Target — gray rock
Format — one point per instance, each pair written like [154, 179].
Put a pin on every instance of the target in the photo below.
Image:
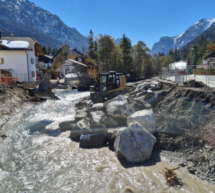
[109, 121]
[96, 119]
[134, 144]
[141, 94]
[149, 95]
[112, 133]
[118, 107]
[92, 140]
[145, 118]
[68, 125]
[81, 114]
[139, 104]
[143, 86]
[98, 107]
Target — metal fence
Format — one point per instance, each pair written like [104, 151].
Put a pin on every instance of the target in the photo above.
[205, 74]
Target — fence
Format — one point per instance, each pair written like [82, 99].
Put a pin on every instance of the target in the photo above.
[205, 74]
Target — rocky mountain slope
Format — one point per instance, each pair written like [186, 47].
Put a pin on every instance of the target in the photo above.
[166, 43]
[24, 18]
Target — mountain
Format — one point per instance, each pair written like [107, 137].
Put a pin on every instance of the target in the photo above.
[24, 18]
[166, 43]
[209, 33]
[116, 40]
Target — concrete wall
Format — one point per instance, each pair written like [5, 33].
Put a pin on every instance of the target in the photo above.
[17, 61]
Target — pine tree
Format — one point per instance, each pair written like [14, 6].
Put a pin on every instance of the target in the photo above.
[125, 45]
[171, 53]
[44, 50]
[106, 47]
[49, 51]
[91, 47]
[213, 40]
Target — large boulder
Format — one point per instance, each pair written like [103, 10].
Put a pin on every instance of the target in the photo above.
[145, 118]
[68, 125]
[109, 121]
[81, 114]
[96, 119]
[118, 108]
[98, 107]
[139, 104]
[134, 144]
[92, 140]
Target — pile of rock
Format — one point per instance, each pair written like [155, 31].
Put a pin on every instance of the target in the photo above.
[130, 126]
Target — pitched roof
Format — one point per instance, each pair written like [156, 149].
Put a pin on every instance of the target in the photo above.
[29, 46]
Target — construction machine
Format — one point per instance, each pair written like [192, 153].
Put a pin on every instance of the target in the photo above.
[105, 85]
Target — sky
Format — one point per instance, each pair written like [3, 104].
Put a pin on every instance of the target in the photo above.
[145, 20]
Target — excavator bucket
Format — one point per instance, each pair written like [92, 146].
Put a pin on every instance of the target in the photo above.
[45, 90]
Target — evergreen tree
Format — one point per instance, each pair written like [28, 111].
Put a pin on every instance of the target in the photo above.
[106, 46]
[125, 45]
[213, 40]
[44, 50]
[142, 59]
[49, 51]
[171, 53]
[91, 47]
[176, 55]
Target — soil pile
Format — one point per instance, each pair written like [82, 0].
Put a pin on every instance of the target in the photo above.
[12, 98]
[185, 122]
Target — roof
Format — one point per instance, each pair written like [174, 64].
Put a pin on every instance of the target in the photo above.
[21, 43]
[212, 47]
[212, 54]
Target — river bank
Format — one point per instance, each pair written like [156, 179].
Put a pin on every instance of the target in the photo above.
[47, 153]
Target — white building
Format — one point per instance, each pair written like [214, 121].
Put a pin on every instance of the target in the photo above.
[19, 56]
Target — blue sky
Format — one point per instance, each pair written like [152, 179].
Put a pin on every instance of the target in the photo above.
[145, 20]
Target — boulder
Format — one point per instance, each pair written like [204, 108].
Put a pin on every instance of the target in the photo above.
[118, 108]
[92, 140]
[112, 133]
[98, 107]
[139, 104]
[109, 121]
[149, 95]
[81, 114]
[96, 119]
[134, 144]
[143, 86]
[145, 118]
[68, 125]
[82, 127]
[139, 94]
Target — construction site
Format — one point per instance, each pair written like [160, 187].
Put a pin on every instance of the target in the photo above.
[157, 131]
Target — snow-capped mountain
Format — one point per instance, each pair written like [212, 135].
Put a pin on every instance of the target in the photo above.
[116, 40]
[166, 43]
[24, 18]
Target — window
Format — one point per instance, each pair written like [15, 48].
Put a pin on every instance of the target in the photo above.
[1, 60]
[32, 61]
[33, 73]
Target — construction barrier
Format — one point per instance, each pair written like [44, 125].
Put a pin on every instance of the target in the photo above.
[8, 80]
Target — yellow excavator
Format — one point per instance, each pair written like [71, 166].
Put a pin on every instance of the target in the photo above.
[105, 85]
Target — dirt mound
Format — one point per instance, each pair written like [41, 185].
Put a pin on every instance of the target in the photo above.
[184, 109]
[196, 84]
[12, 97]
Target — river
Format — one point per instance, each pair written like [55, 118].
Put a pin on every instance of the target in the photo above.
[36, 158]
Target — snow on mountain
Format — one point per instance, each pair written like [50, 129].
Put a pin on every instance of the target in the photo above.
[116, 40]
[24, 18]
[166, 43]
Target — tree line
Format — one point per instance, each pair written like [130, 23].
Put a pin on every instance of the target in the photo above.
[134, 61]
[49, 51]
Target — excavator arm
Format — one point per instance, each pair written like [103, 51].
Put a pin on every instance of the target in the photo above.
[64, 53]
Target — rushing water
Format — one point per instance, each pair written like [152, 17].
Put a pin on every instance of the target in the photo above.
[35, 158]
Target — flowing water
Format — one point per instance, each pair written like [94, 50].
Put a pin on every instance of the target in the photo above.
[36, 158]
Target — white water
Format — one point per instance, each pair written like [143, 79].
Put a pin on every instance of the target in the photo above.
[34, 158]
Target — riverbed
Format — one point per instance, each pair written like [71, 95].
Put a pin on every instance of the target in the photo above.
[36, 157]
